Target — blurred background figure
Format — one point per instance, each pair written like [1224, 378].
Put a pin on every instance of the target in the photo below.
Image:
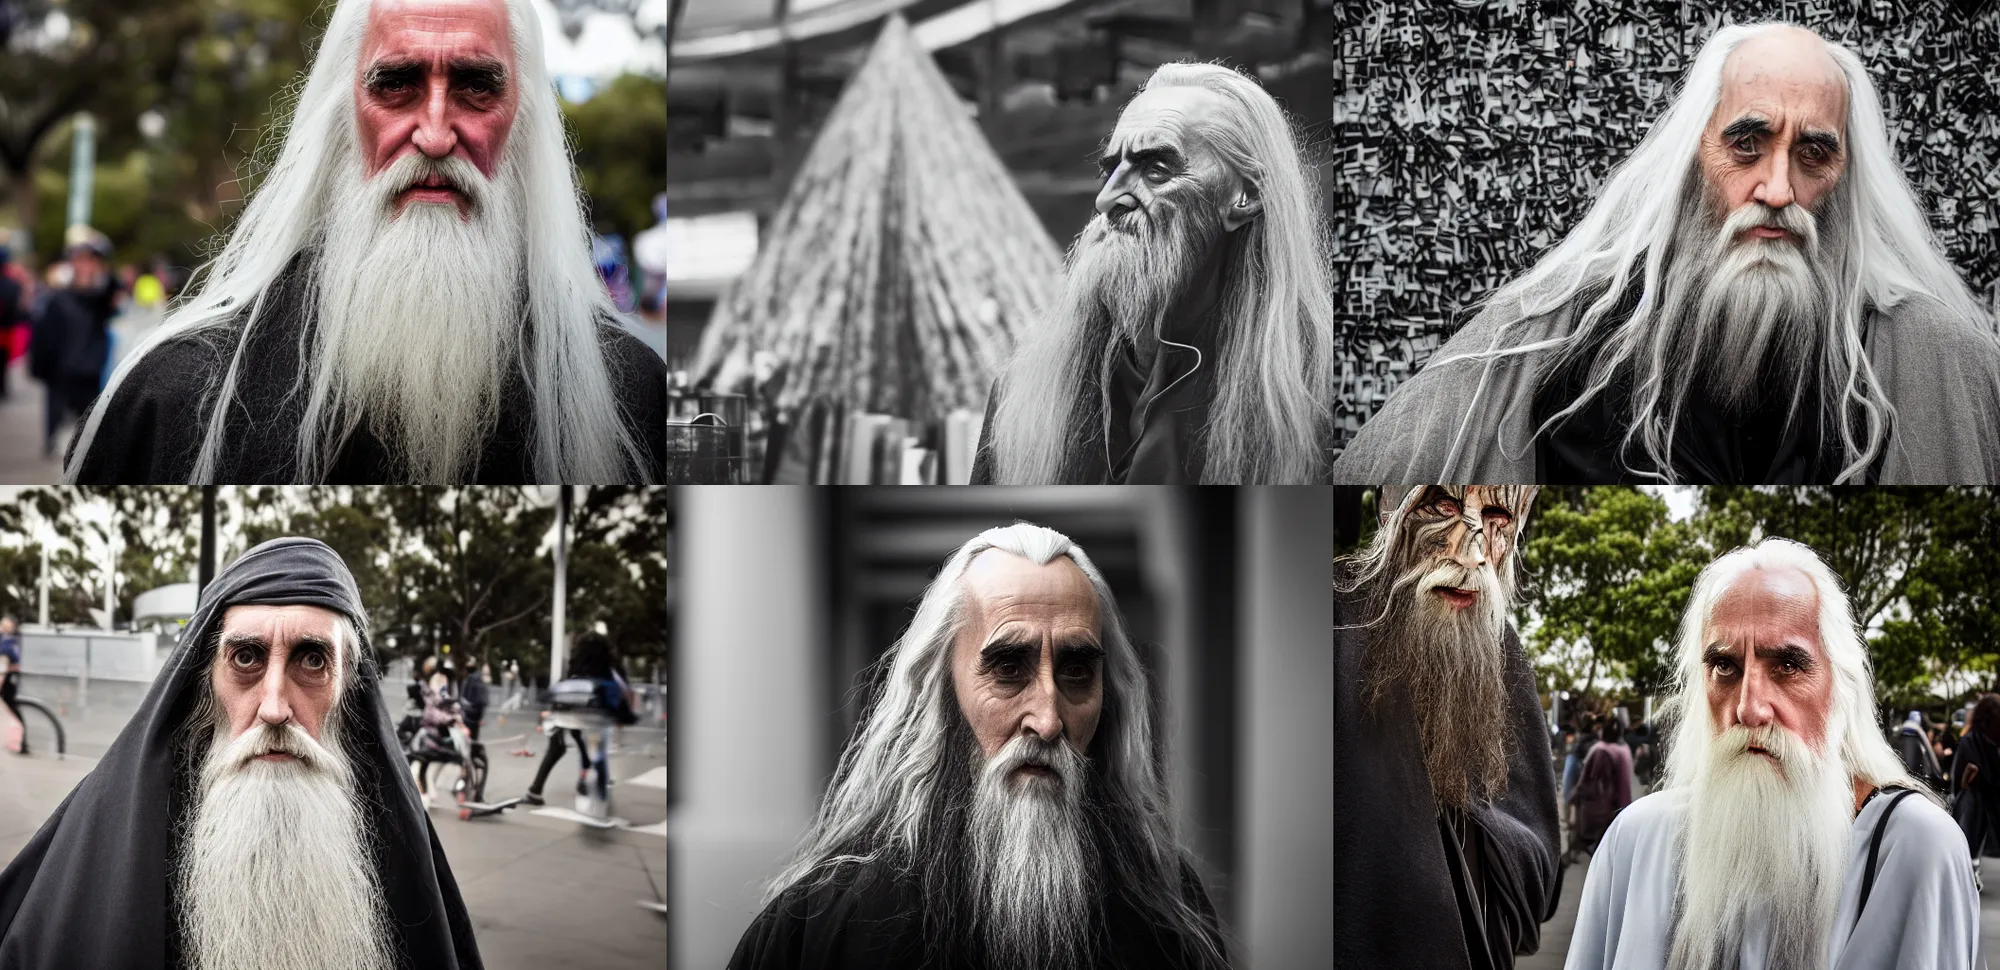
[783, 600]
[71, 336]
[1603, 789]
[17, 292]
[1975, 779]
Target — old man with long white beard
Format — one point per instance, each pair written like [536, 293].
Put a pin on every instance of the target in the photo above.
[255, 813]
[1755, 297]
[1193, 338]
[1002, 804]
[1789, 836]
[409, 295]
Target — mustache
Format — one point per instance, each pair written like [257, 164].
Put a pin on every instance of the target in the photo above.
[1785, 747]
[417, 169]
[1030, 750]
[1794, 219]
[267, 738]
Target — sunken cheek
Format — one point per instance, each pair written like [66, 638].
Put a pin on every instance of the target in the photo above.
[389, 125]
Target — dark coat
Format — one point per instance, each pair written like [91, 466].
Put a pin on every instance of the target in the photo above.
[154, 424]
[91, 889]
[71, 337]
[1396, 875]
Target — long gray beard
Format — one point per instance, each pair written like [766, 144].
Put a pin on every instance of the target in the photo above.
[1125, 283]
[419, 315]
[1739, 309]
[275, 871]
[1450, 667]
[1034, 863]
[1791, 831]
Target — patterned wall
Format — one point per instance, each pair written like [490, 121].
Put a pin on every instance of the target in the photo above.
[1469, 136]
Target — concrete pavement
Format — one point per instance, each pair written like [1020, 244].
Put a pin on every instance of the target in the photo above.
[542, 891]
[21, 416]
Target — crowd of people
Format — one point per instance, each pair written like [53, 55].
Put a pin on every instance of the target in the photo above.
[71, 320]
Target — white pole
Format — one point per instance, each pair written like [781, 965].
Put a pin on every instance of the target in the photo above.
[556, 644]
[111, 584]
[44, 618]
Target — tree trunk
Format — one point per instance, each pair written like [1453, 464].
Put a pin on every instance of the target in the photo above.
[22, 184]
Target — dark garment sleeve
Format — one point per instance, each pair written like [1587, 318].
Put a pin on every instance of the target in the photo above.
[982, 460]
[153, 426]
[852, 923]
[1524, 880]
[639, 378]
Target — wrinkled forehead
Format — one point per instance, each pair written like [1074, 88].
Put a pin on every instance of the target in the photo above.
[437, 29]
[284, 625]
[1768, 607]
[1786, 77]
[1167, 117]
[1000, 586]
[1515, 500]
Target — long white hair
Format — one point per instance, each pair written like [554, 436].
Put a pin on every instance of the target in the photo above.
[895, 767]
[578, 436]
[1274, 393]
[1851, 731]
[1891, 256]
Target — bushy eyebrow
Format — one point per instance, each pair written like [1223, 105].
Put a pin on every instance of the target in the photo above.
[1165, 154]
[1826, 140]
[1746, 125]
[463, 70]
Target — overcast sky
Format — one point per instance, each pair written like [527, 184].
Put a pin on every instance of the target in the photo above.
[607, 47]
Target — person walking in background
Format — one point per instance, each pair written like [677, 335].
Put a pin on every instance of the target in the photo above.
[10, 676]
[1603, 789]
[14, 296]
[71, 338]
[1913, 745]
[1586, 738]
[472, 697]
[594, 660]
[1975, 778]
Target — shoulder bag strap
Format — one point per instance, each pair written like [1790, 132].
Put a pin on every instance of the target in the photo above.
[1875, 851]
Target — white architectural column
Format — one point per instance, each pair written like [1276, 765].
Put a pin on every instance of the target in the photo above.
[748, 722]
[1285, 700]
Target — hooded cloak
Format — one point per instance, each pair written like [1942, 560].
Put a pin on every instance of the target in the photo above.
[105, 858]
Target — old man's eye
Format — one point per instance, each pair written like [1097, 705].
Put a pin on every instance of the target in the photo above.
[245, 657]
[314, 660]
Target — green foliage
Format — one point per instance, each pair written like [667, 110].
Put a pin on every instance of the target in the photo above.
[468, 569]
[1607, 575]
[620, 136]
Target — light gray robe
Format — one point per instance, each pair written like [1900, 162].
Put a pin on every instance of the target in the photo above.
[1922, 914]
[1473, 420]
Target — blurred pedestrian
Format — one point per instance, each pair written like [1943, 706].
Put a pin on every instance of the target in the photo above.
[593, 660]
[1913, 746]
[10, 676]
[1975, 778]
[1603, 789]
[1586, 738]
[472, 697]
[71, 338]
[15, 292]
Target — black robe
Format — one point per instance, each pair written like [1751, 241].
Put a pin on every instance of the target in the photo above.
[153, 427]
[871, 919]
[91, 889]
[1399, 875]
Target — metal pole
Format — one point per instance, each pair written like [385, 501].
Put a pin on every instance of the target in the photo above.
[44, 616]
[111, 583]
[557, 646]
[207, 568]
[83, 156]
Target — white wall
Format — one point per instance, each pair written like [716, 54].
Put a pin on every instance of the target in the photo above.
[112, 656]
[1285, 702]
[751, 753]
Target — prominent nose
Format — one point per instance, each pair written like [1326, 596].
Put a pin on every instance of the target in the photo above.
[1753, 698]
[1463, 543]
[1776, 189]
[1040, 715]
[434, 135]
[274, 705]
[1116, 195]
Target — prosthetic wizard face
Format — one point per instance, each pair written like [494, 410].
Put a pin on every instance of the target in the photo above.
[1463, 535]
[1764, 667]
[1776, 137]
[277, 665]
[435, 78]
[1028, 659]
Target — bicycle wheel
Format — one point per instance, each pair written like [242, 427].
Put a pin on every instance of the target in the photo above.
[43, 732]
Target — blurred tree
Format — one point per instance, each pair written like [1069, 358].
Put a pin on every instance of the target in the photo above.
[621, 150]
[1607, 574]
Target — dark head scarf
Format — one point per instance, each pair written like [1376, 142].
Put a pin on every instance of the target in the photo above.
[92, 888]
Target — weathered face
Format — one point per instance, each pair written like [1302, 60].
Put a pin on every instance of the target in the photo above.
[1158, 165]
[1778, 134]
[277, 664]
[1471, 526]
[1764, 664]
[435, 77]
[1029, 658]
